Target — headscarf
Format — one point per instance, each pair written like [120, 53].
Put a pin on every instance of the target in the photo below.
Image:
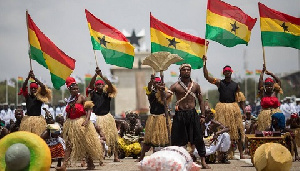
[294, 115]
[70, 81]
[227, 68]
[269, 80]
[157, 79]
[281, 119]
[248, 109]
[34, 85]
[99, 82]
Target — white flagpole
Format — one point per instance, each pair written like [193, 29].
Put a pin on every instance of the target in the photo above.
[17, 87]
[6, 92]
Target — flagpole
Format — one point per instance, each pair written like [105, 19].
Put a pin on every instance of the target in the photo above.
[17, 87]
[264, 56]
[96, 58]
[6, 92]
[28, 40]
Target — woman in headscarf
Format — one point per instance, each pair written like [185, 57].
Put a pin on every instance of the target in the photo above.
[79, 132]
[268, 91]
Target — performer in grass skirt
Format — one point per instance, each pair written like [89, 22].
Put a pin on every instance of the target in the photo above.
[102, 91]
[33, 121]
[79, 132]
[156, 132]
[268, 91]
[228, 109]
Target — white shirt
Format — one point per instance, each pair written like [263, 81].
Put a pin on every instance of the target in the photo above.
[7, 115]
[60, 110]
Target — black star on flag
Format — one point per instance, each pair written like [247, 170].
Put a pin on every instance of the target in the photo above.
[234, 27]
[172, 42]
[285, 27]
[103, 41]
[134, 39]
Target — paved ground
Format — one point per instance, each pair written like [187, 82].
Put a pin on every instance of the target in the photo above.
[128, 164]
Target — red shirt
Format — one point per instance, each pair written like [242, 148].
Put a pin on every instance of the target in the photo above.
[75, 112]
[269, 102]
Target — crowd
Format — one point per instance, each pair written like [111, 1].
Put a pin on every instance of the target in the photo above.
[81, 128]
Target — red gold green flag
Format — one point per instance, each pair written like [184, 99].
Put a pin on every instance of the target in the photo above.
[249, 72]
[227, 24]
[167, 38]
[278, 29]
[257, 72]
[46, 53]
[20, 79]
[88, 77]
[114, 46]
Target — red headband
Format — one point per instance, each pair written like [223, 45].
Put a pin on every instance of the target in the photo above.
[99, 82]
[269, 80]
[227, 69]
[34, 85]
[157, 79]
[70, 81]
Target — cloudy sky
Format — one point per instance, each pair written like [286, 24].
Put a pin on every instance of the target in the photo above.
[64, 22]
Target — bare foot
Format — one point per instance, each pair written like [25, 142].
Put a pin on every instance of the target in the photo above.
[244, 157]
[117, 160]
[205, 166]
[63, 168]
[138, 160]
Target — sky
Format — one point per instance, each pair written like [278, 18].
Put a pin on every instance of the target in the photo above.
[64, 22]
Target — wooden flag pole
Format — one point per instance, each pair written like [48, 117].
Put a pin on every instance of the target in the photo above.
[96, 58]
[28, 40]
[264, 56]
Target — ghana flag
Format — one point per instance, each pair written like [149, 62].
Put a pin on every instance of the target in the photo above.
[167, 38]
[114, 46]
[46, 53]
[278, 29]
[227, 24]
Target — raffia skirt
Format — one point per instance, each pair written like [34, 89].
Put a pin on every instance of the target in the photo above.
[33, 124]
[108, 126]
[156, 132]
[229, 114]
[264, 118]
[297, 136]
[83, 140]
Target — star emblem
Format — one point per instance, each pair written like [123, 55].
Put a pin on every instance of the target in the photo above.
[172, 42]
[234, 27]
[285, 27]
[134, 39]
[103, 41]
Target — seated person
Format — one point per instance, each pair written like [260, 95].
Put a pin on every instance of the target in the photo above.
[130, 132]
[52, 137]
[220, 140]
[278, 124]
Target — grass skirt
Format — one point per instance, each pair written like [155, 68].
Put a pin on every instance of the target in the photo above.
[108, 127]
[33, 124]
[156, 132]
[84, 141]
[264, 118]
[229, 115]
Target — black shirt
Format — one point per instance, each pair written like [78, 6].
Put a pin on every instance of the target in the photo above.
[227, 91]
[33, 106]
[156, 108]
[101, 102]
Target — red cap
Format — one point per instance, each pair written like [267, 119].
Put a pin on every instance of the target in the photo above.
[269, 80]
[70, 81]
[99, 82]
[34, 85]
